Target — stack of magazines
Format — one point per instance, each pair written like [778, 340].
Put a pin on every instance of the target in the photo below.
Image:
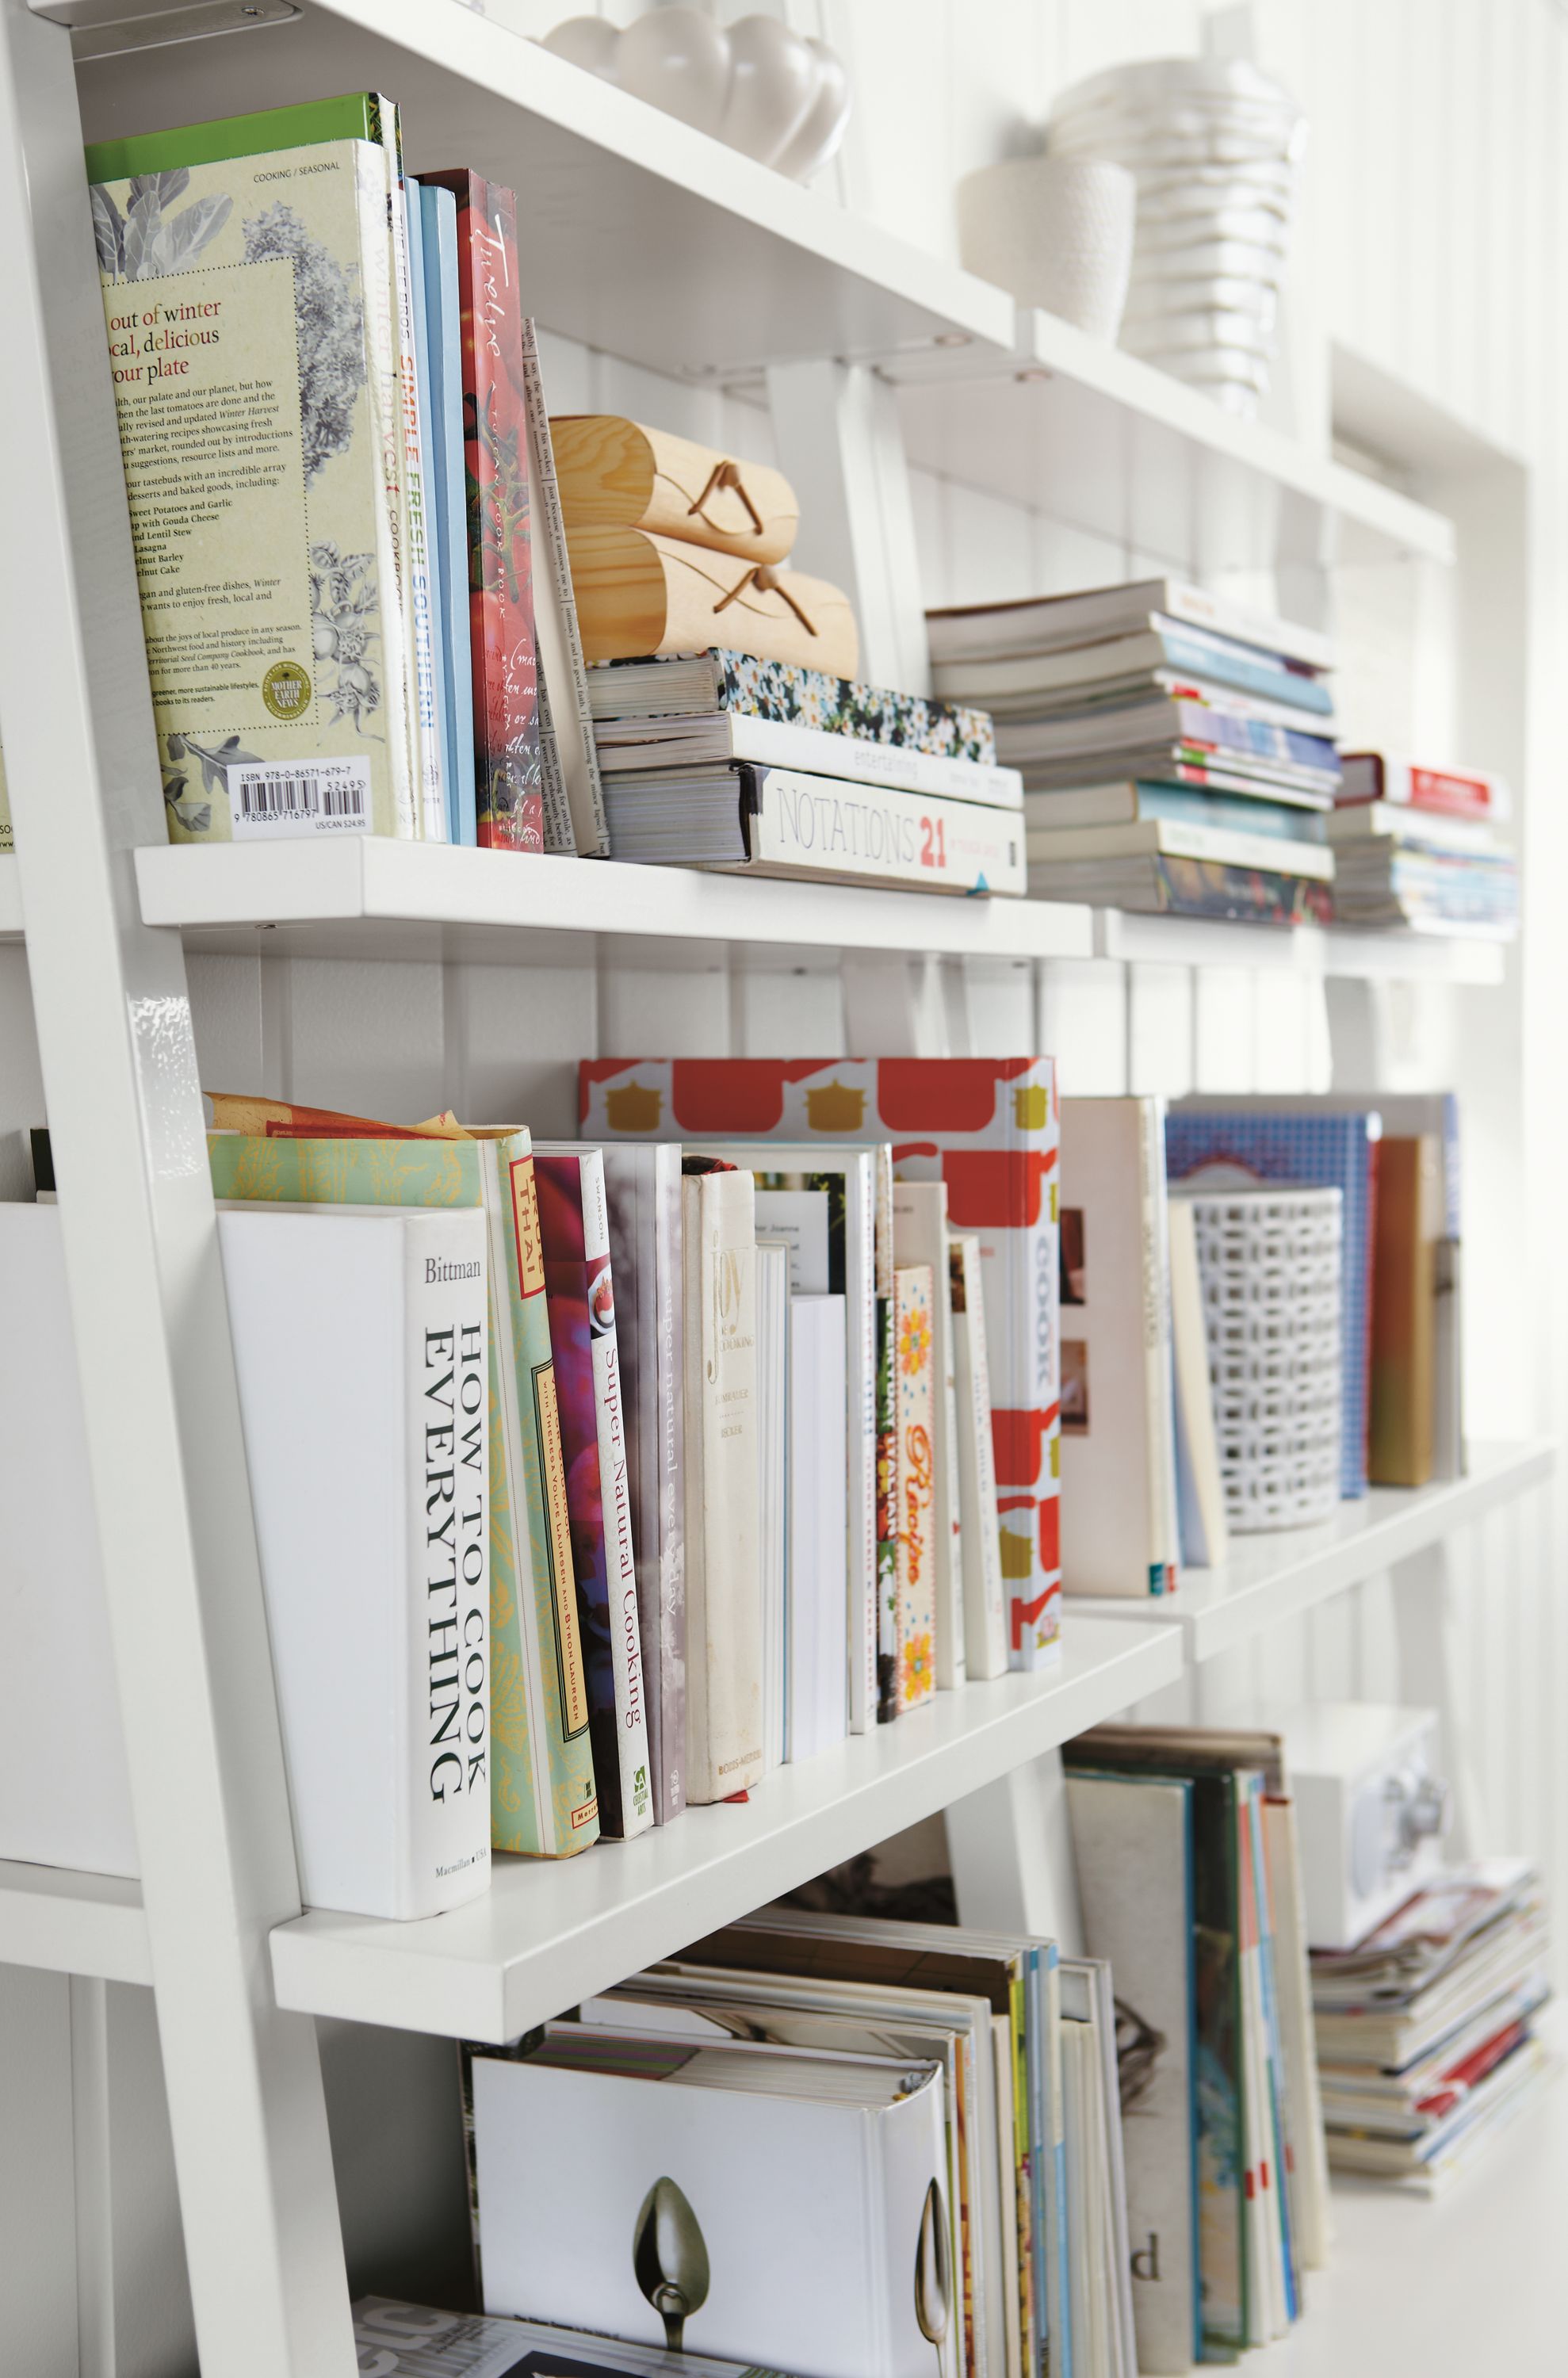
[1417, 846]
[1176, 751]
[1426, 2033]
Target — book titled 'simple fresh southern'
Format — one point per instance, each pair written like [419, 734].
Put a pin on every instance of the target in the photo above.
[542, 1802]
[914, 1416]
[506, 697]
[248, 299]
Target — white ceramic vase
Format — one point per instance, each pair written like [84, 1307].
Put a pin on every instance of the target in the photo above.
[778, 96]
[1057, 231]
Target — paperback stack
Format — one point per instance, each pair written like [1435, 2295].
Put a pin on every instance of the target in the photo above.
[1176, 751]
[1189, 1875]
[333, 441]
[920, 2119]
[1426, 2031]
[761, 753]
[1417, 846]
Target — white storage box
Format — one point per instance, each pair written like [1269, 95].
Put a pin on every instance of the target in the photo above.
[1371, 1808]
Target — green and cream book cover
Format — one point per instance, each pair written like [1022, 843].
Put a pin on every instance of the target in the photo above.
[248, 295]
[543, 1801]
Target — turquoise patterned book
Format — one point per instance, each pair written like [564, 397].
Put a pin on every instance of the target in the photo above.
[719, 681]
[543, 1801]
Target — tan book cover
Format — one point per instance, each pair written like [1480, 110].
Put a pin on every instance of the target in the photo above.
[1407, 1229]
[724, 1740]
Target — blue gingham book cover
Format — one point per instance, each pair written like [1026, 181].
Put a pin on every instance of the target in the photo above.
[1312, 1149]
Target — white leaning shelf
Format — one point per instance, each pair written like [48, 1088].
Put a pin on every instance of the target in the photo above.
[1273, 1576]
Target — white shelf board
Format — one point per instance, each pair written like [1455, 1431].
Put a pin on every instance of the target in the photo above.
[1100, 439]
[1302, 949]
[546, 1934]
[639, 235]
[367, 896]
[1273, 1577]
[72, 1923]
[1469, 2283]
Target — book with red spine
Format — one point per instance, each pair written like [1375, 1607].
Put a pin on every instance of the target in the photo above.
[1445, 792]
[507, 768]
[580, 1295]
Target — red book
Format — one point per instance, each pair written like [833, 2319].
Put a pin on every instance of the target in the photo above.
[1446, 792]
[509, 781]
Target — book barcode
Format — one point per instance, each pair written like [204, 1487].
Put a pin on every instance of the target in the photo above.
[303, 796]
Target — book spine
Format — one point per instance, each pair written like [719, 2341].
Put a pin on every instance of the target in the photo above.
[631, 1737]
[1159, 1433]
[887, 1519]
[447, 1669]
[828, 830]
[577, 822]
[668, 1577]
[443, 321]
[420, 582]
[724, 1677]
[913, 1370]
[379, 281]
[985, 1611]
[952, 1667]
[543, 1800]
[508, 801]
[861, 1407]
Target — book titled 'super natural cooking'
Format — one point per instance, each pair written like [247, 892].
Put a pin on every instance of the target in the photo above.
[247, 297]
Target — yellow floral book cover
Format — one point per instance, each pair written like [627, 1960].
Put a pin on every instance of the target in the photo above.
[914, 1412]
[543, 1801]
[247, 299]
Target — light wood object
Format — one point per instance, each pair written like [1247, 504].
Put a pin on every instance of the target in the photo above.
[614, 472]
[639, 594]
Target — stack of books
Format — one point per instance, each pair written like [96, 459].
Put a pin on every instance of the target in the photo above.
[334, 551]
[1190, 1882]
[1426, 2031]
[1176, 751]
[830, 2143]
[1417, 846]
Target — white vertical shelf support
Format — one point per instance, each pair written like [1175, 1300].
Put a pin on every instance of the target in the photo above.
[186, 1622]
[839, 440]
[1010, 1847]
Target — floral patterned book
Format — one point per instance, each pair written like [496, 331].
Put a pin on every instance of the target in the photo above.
[509, 769]
[248, 302]
[720, 681]
[914, 1416]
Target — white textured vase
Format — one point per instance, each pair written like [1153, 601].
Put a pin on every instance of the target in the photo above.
[778, 96]
[1057, 231]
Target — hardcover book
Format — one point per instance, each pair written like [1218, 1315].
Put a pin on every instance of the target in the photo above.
[448, 491]
[575, 815]
[914, 1417]
[248, 298]
[1132, 1844]
[988, 1128]
[724, 1723]
[691, 2188]
[542, 1796]
[506, 704]
[1119, 1529]
[887, 1515]
[817, 1545]
[720, 681]
[580, 1296]
[919, 1236]
[1315, 1148]
[984, 1591]
[641, 1187]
